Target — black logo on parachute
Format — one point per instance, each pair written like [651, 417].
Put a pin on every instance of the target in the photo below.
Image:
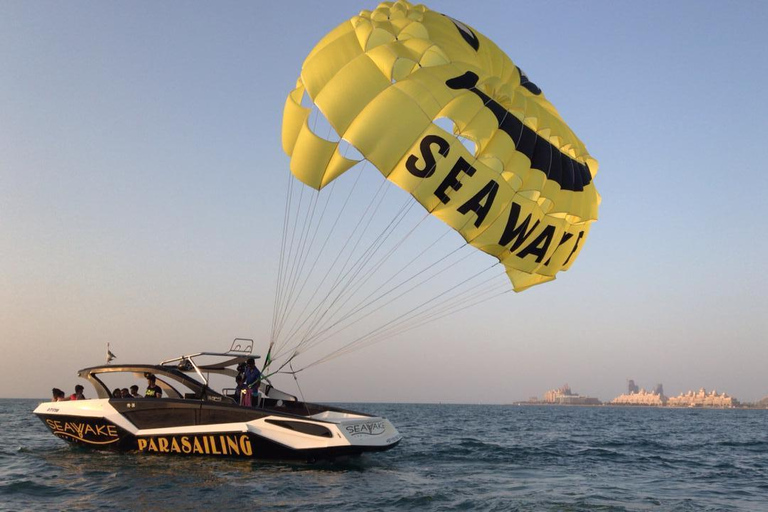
[472, 40]
[559, 167]
[532, 87]
[466, 33]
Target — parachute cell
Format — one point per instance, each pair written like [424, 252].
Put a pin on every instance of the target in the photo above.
[385, 77]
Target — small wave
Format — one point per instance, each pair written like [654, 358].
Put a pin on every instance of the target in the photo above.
[30, 488]
[418, 501]
[749, 445]
[599, 453]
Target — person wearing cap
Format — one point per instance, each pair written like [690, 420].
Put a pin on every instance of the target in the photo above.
[153, 390]
[252, 376]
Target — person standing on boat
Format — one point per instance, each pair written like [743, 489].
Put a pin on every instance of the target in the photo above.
[242, 393]
[135, 391]
[252, 376]
[153, 390]
[78, 394]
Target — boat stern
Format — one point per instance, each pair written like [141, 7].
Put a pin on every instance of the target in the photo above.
[374, 433]
[83, 423]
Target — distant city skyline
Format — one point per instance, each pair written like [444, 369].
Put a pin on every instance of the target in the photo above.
[637, 396]
[143, 184]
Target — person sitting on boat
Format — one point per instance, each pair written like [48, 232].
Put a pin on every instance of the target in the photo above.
[153, 390]
[252, 376]
[78, 394]
[135, 391]
[58, 395]
[116, 393]
[124, 393]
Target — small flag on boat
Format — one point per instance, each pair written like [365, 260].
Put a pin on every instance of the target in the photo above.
[110, 355]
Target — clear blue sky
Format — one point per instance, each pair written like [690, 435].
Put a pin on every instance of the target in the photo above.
[142, 184]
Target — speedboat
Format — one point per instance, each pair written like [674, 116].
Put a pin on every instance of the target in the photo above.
[194, 419]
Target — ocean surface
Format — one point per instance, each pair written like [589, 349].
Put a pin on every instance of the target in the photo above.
[452, 457]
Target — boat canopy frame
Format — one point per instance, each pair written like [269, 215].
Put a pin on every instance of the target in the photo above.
[177, 369]
[163, 374]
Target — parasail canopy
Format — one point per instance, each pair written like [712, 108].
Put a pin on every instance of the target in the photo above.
[445, 115]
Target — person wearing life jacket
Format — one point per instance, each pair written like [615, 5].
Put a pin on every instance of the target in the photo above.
[153, 390]
[78, 394]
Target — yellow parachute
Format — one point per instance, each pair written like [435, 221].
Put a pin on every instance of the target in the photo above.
[382, 79]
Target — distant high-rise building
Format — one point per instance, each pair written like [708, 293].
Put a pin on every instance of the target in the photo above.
[632, 387]
[659, 389]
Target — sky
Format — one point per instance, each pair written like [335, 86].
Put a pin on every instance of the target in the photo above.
[142, 190]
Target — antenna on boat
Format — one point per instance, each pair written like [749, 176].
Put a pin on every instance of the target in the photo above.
[110, 355]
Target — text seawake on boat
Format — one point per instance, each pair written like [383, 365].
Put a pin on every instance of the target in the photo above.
[193, 419]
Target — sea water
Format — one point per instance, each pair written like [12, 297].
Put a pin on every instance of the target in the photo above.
[452, 457]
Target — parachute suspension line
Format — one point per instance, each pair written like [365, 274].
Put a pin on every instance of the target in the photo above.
[334, 283]
[298, 262]
[446, 300]
[404, 324]
[363, 266]
[310, 246]
[379, 264]
[328, 237]
[369, 303]
[290, 262]
[286, 218]
[381, 332]
[407, 265]
[318, 338]
[363, 260]
[391, 278]
[317, 311]
[364, 263]
[447, 307]
[465, 304]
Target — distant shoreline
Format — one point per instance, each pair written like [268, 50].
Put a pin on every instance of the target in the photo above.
[649, 406]
[751, 406]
